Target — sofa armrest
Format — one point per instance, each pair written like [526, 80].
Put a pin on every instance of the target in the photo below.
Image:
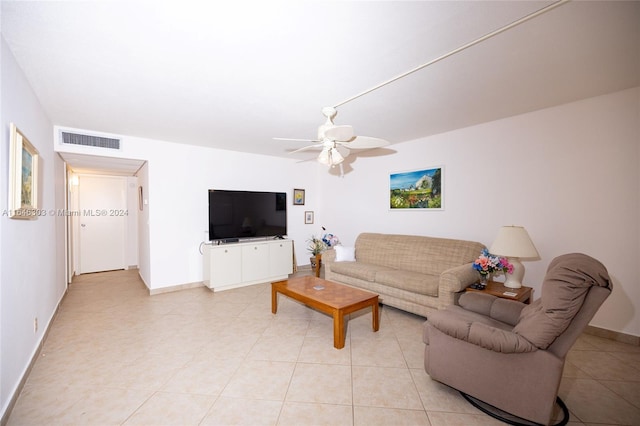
[453, 281]
[328, 256]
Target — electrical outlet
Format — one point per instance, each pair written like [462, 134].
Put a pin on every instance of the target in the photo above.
[35, 325]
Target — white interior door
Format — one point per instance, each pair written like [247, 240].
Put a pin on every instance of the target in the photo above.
[103, 213]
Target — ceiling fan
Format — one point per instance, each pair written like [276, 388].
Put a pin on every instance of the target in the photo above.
[336, 141]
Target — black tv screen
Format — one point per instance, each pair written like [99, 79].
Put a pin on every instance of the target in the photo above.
[246, 214]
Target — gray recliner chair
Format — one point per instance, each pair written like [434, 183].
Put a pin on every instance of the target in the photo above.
[511, 355]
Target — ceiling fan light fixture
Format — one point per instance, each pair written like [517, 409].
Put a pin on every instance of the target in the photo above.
[336, 157]
[330, 157]
[325, 157]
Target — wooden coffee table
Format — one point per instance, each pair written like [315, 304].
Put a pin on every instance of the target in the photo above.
[331, 298]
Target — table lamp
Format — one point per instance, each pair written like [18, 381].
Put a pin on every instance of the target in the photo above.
[513, 242]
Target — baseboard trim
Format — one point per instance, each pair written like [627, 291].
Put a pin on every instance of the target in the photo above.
[613, 335]
[170, 289]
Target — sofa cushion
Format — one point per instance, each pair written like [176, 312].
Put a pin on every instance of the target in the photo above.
[414, 253]
[360, 270]
[411, 281]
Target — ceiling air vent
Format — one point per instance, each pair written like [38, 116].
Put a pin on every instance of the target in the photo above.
[89, 140]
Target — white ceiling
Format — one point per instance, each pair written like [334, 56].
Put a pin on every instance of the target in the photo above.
[234, 74]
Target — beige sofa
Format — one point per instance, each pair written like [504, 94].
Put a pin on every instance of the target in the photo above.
[414, 273]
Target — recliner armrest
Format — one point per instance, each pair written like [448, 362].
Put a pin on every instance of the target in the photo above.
[495, 339]
[503, 310]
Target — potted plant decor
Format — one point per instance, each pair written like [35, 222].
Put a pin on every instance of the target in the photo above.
[317, 245]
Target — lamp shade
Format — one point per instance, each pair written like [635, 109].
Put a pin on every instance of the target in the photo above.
[513, 241]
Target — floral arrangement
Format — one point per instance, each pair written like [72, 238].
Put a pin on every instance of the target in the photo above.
[488, 263]
[318, 245]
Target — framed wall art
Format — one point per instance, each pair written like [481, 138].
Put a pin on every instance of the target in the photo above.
[23, 176]
[298, 197]
[308, 217]
[417, 189]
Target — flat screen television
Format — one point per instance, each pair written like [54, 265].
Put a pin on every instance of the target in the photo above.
[234, 215]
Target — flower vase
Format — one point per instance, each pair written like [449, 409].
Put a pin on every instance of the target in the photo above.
[316, 263]
[484, 279]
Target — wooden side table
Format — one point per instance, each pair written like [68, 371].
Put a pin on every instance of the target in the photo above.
[523, 294]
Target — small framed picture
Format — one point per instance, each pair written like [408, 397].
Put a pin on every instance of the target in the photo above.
[308, 217]
[23, 176]
[298, 197]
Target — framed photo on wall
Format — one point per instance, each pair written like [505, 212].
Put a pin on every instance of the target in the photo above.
[298, 197]
[308, 217]
[23, 176]
[416, 189]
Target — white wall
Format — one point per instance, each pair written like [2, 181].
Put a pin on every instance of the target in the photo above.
[32, 267]
[131, 250]
[569, 175]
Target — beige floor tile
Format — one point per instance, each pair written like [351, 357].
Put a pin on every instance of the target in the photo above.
[570, 370]
[375, 416]
[413, 351]
[239, 411]
[320, 350]
[296, 413]
[228, 346]
[603, 366]
[277, 348]
[384, 387]
[164, 408]
[592, 402]
[203, 376]
[106, 406]
[438, 397]
[438, 418]
[377, 352]
[629, 391]
[321, 326]
[45, 404]
[284, 326]
[318, 383]
[260, 380]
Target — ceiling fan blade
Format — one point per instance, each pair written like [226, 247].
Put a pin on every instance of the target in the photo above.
[306, 148]
[296, 140]
[343, 150]
[339, 133]
[366, 142]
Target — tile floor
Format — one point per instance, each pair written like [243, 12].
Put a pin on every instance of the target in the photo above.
[117, 356]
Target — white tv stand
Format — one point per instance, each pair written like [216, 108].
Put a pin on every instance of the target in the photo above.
[240, 264]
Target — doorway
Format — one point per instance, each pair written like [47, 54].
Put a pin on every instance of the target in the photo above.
[103, 212]
[85, 177]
